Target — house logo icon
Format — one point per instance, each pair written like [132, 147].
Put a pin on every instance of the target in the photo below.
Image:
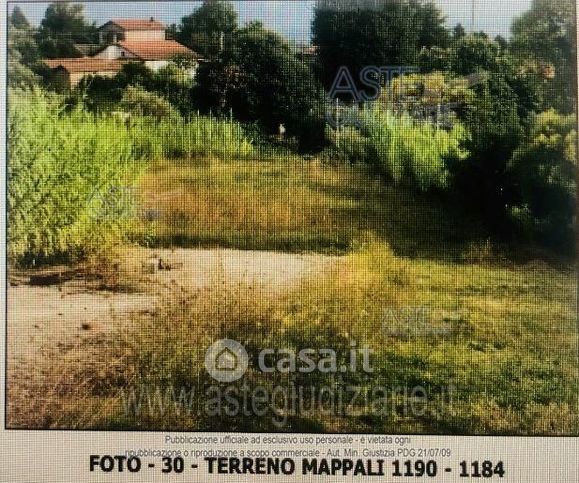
[226, 360]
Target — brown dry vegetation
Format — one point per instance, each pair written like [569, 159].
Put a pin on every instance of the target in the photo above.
[509, 352]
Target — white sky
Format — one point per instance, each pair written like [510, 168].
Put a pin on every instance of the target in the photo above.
[292, 18]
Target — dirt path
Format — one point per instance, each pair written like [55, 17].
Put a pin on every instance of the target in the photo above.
[192, 268]
[58, 317]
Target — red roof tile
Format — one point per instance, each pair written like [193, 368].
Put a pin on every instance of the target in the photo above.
[132, 24]
[85, 64]
[156, 50]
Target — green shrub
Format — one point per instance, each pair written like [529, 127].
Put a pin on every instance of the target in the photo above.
[402, 149]
[64, 171]
[138, 101]
[544, 170]
[71, 172]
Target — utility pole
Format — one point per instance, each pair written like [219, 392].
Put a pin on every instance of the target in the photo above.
[472, 12]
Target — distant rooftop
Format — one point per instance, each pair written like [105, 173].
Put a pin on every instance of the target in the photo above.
[85, 64]
[156, 50]
[136, 24]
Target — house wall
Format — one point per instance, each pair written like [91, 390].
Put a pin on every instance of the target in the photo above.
[113, 52]
[113, 33]
[145, 35]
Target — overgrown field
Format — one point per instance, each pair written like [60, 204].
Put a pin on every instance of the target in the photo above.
[294, 205]
[496, 353]
[491, 342]
[448, 197]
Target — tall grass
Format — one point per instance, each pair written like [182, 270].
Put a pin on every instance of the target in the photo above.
[196, 136]
[292, 205]
[62, 169]
[403, 149]
[67, 167]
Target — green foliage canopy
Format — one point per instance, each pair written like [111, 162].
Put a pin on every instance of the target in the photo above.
[206, 28]
[389, 33]
[64, 25]
[544, 168]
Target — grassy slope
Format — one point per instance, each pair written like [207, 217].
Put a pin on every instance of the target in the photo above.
[294, 206]
[509, 353]
[511, 350]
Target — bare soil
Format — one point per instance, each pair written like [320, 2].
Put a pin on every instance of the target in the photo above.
[46, 320]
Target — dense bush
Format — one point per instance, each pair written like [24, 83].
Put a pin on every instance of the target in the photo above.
[544, 168]
[403, 149]
[171, 83]
[496, 129]
[140, 102]
[22, 52]
[496, 114]
[260, 79]
[545, 36]
[467, 55]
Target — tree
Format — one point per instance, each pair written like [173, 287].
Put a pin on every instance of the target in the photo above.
[19, 75]
[104, 93]
[544, 169]
[458, 32]
[497, 116]
[477, 54]
[62, 26]
[387, 33]
[17, 19]
[139, 102]
[502, 42]
[546, 36]
[431, 24]
[171, 33]
[496, 130]
[171, 83]
[22, 40]
[22, 52]
[260, 78]
[206, 28]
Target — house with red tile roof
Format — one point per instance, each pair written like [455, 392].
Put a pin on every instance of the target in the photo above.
[124, 40]
[69, 72]
[154, 54]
